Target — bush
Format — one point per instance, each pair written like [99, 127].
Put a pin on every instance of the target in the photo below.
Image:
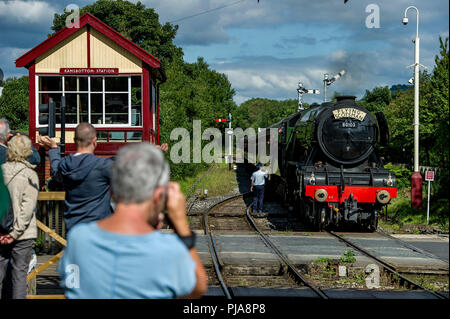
[403, 175]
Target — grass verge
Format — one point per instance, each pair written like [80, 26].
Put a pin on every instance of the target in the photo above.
[401, 217]
[218, 181]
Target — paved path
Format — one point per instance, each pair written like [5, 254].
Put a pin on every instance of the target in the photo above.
[434, 244]
[303, 249]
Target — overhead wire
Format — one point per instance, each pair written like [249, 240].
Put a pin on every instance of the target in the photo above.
[207, 11]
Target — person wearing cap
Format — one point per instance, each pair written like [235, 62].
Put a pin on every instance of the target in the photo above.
[257, 187]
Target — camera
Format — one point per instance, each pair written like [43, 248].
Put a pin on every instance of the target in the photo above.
[405, 21]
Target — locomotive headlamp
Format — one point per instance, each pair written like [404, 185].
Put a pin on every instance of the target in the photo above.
[320, 195]
[389, 181]
[312, 179]
[383, 197]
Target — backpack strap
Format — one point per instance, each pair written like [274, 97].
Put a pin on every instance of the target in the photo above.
[15, 175]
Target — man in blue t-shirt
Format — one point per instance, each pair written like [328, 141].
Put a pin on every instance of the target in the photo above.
[257, 187]
[125, 255]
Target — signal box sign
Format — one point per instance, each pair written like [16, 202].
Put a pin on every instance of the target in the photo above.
[89, 71]
[429, 176]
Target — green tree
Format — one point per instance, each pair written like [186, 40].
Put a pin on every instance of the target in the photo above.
[377, 99]
[192, 91]
[433, 116]
[14, 102]
[259, 112]
[437, 99]
[135, 22]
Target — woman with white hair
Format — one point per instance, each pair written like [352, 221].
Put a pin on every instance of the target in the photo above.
[23, 185]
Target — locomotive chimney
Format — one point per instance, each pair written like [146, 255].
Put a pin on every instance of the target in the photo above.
[346, 98]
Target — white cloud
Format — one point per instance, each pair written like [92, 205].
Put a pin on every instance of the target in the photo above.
[274, 78]
[266, 13]
[339, 55]
[26, 12]
[7, 57]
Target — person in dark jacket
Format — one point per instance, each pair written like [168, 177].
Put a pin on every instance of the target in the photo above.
[5, 135]
[85, 177]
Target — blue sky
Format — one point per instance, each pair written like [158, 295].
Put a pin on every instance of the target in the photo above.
[266, 48]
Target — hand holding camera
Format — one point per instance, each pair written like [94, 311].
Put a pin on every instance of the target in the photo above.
[176, 209]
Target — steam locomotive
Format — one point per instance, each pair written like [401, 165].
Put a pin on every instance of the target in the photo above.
[330, 170]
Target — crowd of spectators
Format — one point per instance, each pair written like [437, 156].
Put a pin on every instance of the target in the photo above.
[114, 212]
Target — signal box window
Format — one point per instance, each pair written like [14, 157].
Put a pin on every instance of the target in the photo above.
[109, 101]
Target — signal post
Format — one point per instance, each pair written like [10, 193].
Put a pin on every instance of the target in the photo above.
[229, 132]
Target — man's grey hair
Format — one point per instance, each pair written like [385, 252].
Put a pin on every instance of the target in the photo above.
[4, 130]
[137, 171]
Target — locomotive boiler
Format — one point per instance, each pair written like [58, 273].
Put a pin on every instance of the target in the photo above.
[330, 170]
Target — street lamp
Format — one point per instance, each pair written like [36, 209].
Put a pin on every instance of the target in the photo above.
[416, 178]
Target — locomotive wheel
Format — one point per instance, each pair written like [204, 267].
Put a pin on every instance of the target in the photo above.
[321, 218]
[303, 211]
[317, 217]
[286, 195]
[373, 223]
[309, 213]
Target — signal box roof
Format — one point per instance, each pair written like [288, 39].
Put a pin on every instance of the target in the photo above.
[88, 19]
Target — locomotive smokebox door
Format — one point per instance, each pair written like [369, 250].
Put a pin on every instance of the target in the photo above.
[346, 132]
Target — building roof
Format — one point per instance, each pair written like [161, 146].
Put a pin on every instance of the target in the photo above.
[88, 19]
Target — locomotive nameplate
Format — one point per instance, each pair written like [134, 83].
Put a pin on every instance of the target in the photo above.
[349, 112]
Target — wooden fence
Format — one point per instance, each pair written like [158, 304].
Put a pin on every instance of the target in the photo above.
[51, 234]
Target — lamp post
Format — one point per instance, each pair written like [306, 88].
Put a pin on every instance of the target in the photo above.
[416, 178]
[1, 81]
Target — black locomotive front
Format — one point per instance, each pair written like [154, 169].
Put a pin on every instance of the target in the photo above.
[330, 170]
[346, 132]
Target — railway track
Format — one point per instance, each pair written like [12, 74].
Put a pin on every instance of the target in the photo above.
[387, 267]
[293, 270]
[231, 233]
[192, 189]
[213, 247]
[224, 218]
[239, 220]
